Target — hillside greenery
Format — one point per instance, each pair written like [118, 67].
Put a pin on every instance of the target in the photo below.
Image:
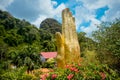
[22, 42]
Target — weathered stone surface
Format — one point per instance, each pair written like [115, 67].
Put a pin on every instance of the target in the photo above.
[67, 42]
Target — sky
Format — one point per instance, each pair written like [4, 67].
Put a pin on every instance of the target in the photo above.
[88, 13]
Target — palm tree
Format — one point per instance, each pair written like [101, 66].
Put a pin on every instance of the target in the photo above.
[28, 56]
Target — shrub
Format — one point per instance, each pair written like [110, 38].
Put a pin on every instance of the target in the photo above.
[17, 74]
[29, 77]
[50, 63]
[81, 72]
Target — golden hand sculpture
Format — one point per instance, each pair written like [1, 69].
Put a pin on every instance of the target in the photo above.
[67, 43]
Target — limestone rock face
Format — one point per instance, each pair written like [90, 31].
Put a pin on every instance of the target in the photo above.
[67, 43]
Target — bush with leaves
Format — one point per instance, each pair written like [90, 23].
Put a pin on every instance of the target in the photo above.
[17, 74]
[50, 63]
[26, 56]
[83, 72]
[108, 43]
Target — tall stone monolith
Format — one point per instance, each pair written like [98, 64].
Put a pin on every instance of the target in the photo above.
[67, 43]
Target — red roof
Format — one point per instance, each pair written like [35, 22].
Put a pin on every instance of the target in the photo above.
[49, 54]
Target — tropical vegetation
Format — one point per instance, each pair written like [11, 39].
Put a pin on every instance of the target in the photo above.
[22, 42]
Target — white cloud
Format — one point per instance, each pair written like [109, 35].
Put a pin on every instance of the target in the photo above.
[82, 14]
[58, 10]
[92, 27]
[94, 4]
[48, 11]
[54, 3]
[113, 12]
[5, 3]
[39, 20]
[86, 13]
[41, 9]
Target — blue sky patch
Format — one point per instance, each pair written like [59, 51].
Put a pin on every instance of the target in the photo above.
[86, 24]
[100, 12]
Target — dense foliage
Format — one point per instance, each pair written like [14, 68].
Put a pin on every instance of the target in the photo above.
[83, 72]
[21, 42]
[108, 43]
[50, 25]
[47, 29]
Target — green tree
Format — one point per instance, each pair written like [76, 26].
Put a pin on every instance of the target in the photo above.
[3, 50]
[13, 39]
[2, 30]
[47, 41]
[27, 56]
[108, 38]
[85, 42]
[29, 33]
